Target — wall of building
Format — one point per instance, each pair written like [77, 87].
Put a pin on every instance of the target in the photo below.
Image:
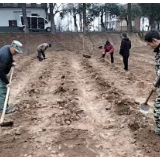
[7, 14]
[122, 25]
[144, 24]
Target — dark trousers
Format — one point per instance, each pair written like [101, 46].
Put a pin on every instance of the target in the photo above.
[125, 61]
[112, 58]
[39, 55]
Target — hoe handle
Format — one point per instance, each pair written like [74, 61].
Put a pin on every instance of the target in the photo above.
[7, 96]
[151, 92]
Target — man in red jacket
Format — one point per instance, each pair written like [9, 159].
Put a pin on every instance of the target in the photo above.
[108, 47]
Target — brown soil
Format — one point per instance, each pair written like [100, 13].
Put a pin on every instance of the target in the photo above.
[72, 106]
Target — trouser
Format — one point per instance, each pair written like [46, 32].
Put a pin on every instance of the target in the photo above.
[112, 58]
[3, 92]
[39, 55]
[157, 111]
[125, 61]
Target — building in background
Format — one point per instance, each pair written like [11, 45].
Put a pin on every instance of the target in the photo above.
[10, 12]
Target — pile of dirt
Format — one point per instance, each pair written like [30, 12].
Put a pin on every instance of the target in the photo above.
[60, 89]
[124, 106]
[69, 111]
[148, 142]
[27, 104]
[140, 85]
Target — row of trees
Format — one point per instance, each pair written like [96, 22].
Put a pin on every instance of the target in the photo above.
[87, 13]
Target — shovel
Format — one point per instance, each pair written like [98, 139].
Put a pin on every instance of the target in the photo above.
[144, 106]
[10, 123]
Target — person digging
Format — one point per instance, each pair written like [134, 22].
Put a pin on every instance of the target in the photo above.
[41, 49]
[108, 47]
[6, 62]
[152, 39]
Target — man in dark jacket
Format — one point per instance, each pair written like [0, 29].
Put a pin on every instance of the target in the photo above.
[125, 50]
[6, 62]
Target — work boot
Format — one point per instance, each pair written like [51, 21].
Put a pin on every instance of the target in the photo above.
[157, 131]
[8, 111]
[39, 58]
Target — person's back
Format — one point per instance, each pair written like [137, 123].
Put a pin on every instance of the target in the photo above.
[108, 47]
[125, 46]
[6, 62]
[6, 59]
[43, 47]
[125, 50]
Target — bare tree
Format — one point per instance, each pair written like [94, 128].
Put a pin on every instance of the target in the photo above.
[80, 12]
[129, 18]
[80, 22]
[25, 17]
[53, 28]
[54, 9]
[84, 18]
[59, 26]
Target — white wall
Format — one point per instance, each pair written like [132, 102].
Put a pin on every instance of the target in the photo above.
[7, 14]
[143, 26]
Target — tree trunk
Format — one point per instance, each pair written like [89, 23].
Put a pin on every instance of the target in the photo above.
[84, 18]
[129, 27]
[25, 17]
[126, 19]
[151, 17]
[75, 23]
[80, 22]
[158, 26]
[53, 29]
[151, 23]
[102, 23]
[106, 16]
[143, 24]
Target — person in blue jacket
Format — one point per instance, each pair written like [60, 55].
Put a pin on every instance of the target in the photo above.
[6, 62]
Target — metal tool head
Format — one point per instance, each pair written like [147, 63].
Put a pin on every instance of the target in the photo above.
[7, 124]
[144, 108]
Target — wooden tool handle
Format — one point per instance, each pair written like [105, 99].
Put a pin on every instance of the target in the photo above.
[7, 96]
[157, 82]
[155, 85]
[151, 92]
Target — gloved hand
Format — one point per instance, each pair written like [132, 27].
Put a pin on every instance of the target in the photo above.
[158, 73]
[8, 85]
[154, 88]
[108, 55]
